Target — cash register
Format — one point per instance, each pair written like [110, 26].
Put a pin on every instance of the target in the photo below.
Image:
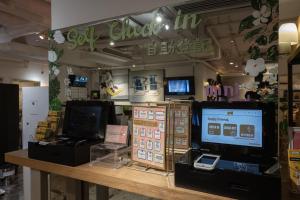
[234, 151]
[83, 126]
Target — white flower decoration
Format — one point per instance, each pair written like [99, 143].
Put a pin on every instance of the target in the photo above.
[271, 75]
[59, 37]
[254, 67]
[273, 70]
[70, 71]
[250, 86]
[271, 78]
[67, 81]
[262, 15]
[55, 70]
[52, 56]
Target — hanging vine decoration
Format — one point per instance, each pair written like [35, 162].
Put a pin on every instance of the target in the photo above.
[54, 55]
[261, 30]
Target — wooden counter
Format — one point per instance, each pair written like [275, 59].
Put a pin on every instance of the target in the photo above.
[147, 184]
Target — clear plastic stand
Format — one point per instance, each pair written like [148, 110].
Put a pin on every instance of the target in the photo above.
[110, 155]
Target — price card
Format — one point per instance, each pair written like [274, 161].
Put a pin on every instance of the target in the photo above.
[149, 144]
[117, 134]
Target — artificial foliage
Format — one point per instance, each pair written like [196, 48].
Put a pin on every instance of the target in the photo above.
[54, 55]
[260, 29]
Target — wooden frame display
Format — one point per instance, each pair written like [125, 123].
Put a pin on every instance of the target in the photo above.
[181, 125]
[149, 136]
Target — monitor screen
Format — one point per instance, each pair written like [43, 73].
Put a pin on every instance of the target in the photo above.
[181, 86]
[232, 126]
[78, 81]
[84, 121]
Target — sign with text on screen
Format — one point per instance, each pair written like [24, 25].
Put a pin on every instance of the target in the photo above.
[232, 126]
[228, 91]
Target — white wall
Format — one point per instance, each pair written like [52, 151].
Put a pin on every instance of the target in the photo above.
[202, 73]
[30, 71]
[289, 9]
[66, 13]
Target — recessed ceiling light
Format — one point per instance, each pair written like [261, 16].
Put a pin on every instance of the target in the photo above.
[133, 65]
[236, 66]
[41, 37]
[158, 19]
[232, 41]
[112, 43]
[167, 27]
[231, 63]
[99, 68]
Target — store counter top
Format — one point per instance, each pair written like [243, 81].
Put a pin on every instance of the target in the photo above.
[139, 182]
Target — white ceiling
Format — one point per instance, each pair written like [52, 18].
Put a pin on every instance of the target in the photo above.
[222, 23]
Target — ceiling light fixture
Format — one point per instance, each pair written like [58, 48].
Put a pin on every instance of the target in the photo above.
[288, 35]
[158, 19]
[41, 36]
[232, 41]
[167, 27]
[112, 43]
[236, 66]
[99, 68]
[133, 65]
[231, 63]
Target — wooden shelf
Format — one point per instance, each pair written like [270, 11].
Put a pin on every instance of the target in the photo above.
[151, 185]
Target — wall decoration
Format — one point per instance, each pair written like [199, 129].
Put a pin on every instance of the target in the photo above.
[121, 30]
[203, 47]
[254, 67]
[148, 137]
[120, 78]
[146, 86]
[261, 29]
[110, 88]
[76, 38]
[54, 54]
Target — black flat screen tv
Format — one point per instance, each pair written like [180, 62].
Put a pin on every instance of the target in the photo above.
[78, 81]
[88, 119]
[180, 85]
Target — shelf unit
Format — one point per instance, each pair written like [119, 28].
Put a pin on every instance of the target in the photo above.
[293, 60]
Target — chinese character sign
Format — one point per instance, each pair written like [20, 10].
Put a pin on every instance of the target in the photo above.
[183, 46]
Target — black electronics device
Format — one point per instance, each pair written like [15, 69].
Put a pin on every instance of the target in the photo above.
[179, 86]
[84, 125]
[243, 134]
[78, 81]
[9, 119]
[241, 178]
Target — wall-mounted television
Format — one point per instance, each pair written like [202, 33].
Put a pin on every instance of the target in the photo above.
[78, 81]
[180, 85]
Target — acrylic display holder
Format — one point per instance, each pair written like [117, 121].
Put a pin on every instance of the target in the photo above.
[109, 155]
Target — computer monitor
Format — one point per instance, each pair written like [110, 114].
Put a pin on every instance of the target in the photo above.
[232, 126]
[236, 128]
[88, 119]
